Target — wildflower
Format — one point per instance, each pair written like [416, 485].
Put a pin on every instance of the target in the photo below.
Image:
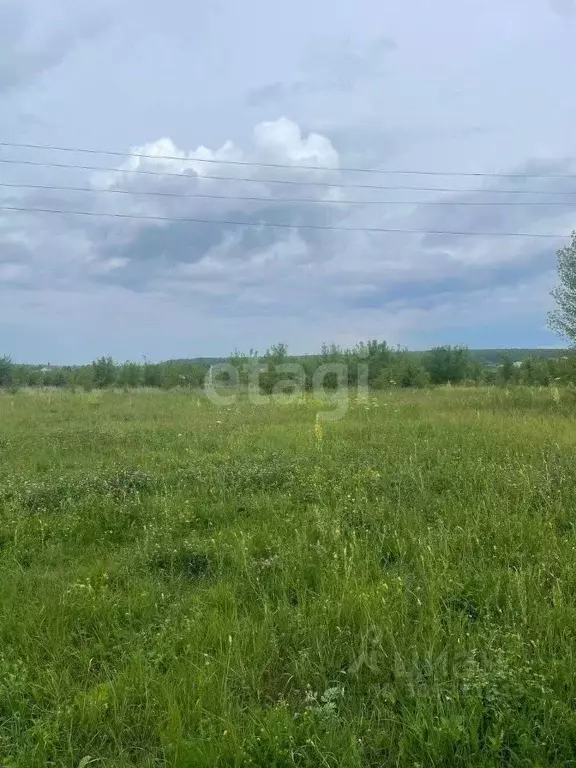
[556, 395]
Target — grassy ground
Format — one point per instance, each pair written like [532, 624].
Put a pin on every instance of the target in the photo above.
[183, 585]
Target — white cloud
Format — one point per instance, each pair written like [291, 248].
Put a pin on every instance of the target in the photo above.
[282, 141]
[322, 284]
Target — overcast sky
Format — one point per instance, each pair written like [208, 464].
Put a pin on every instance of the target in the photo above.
[476, 86]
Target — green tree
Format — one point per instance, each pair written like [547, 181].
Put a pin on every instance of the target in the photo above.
[277, 354]
[244, 364]
[447, 364]
[84, 377]
[104, 372]
[5, 371]
[475, 371]
[562, 320]
[130, 375]
[33, 377]
[377, 355]
[56, 378]
[506, 369]
[153, 375]
[407, 372]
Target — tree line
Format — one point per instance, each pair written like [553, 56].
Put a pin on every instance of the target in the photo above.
[374, 362]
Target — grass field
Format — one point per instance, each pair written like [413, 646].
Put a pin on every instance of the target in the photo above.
[190, 586]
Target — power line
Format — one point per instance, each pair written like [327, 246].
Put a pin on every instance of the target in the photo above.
[289, 166]
[267, 224]
[324, 184]
[245, 198]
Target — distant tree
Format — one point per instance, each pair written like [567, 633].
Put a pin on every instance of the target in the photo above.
[277, 354]
[84, 377]
[104, 372]
[409, 373]
[153, 375]
[377, 355]
[506, 370]
[244, 364]
[447, 364]
[331, 353]
[489, 376]
[5, 371]
[58, 378]
[130, 375]
[32, 377]
[539, 371]
[475, 371]
[270, 374]
[562, 320]
[529, 371]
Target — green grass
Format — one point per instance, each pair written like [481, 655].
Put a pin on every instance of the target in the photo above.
[182, 585]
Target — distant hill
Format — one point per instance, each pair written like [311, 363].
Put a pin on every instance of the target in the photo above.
[197, 361]
[485, 356]
[494, 356]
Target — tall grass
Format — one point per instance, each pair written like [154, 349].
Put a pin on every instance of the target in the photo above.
[183, 585]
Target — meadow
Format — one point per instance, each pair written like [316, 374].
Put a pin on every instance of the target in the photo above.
[193, 586]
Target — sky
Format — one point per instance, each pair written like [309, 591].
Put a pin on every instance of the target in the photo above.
[463, 86]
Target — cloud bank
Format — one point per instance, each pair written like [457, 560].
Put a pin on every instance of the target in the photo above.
[305, 282]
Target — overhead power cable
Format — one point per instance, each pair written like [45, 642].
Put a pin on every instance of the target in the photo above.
[277, 225]
[287, 166]
[246, 198]
[293, 182]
